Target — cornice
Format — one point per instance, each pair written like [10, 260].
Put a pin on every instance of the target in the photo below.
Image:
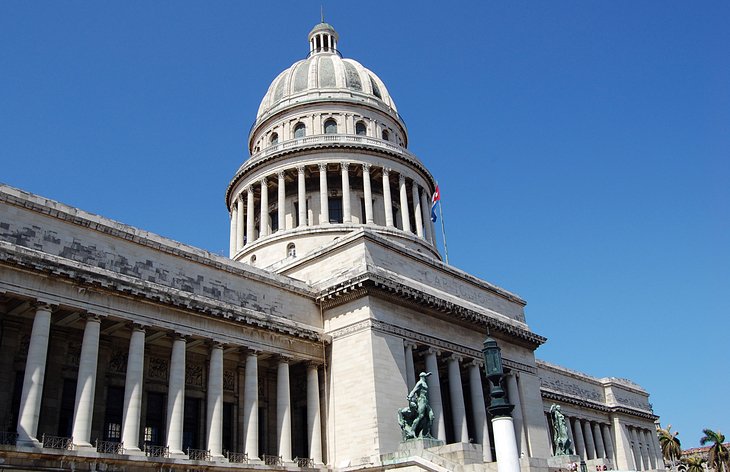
[369, 283]
[95, 278]
[548, 394]
[254, 163]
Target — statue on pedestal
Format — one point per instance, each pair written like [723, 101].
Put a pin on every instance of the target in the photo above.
[561, 441]
[415, 420]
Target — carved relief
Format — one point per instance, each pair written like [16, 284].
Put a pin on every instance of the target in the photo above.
[118, 362]
[229, 380]
[193, 374]
[73, 353]
[157, 368]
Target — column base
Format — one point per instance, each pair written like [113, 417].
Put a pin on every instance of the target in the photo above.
[84, 446]
[29, 442]
[133, 451]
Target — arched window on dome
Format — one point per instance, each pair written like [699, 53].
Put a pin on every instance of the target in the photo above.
[386, 135]
[300, 131]
[274, 139]
[291, 250]
[330, 126]
[360, 128]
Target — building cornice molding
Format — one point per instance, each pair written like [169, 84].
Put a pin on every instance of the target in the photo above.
[373, 284]
[548, 394]
[94, 278]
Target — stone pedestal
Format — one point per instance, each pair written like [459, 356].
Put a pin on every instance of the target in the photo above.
[563, 462]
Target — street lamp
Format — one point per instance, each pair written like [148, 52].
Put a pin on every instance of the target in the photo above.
[505, 443]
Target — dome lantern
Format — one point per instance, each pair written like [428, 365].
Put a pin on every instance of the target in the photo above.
[323, 39]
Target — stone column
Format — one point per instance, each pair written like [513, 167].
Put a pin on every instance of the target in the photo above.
[239, 222]
[417, 210]
[283, 410]
[214, 402]
[368, 194]
[656, 447]
[426, 210]
[264, 216]
[598, 438]
[569, 427]
[608, 442]
[250, 230]
[580, 448]
[404, 213]
[176, 397]
[438, 428]
[233, 238]
[346, 207]
[324, 204]
[588, 437]
[251, 405]
[481, 430]
[86, 383]
[314, 423]
[131, 414]
[458, 410]
[650, 450]
[410, 369]
[240, 421]
[387, 200]
[513, 394]
[281, 203]
[302, 197]
[635, 449]
[35, 372]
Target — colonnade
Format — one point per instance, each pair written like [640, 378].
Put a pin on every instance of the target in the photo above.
[244, 231]
[458, 409]
[30, 401]
[595, 440]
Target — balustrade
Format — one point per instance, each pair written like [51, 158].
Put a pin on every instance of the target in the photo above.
[109, 447]
[56, 442]
[156, 451]
[272, 460]
[236, 457]
[198, 454]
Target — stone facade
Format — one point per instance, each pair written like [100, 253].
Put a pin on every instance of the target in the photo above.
[120, 349]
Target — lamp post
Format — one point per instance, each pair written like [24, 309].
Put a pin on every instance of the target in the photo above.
[505, 443]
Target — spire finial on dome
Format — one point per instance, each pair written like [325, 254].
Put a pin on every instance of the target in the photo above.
[323, 38]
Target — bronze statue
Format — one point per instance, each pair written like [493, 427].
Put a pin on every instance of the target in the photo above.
[415, 420]
[561, 441]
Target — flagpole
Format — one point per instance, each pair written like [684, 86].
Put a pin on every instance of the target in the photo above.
[443, 229]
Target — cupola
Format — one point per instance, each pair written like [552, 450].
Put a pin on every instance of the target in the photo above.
[323, 39]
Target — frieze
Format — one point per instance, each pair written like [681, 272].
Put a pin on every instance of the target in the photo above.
[193, 374]
[423, 339]
[571, 388]
[158, 368]
[229, 380]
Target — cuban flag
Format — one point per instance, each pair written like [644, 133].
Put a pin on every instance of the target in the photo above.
[434, 200]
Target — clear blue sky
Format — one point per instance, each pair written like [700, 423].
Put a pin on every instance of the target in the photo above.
[582, 149]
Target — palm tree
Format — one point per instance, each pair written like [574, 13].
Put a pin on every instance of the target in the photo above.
[694, 463]
[718, 456]
[669, 442]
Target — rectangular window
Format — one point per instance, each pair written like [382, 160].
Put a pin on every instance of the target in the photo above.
[335, 207]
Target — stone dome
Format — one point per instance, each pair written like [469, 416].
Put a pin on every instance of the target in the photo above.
[325, 75]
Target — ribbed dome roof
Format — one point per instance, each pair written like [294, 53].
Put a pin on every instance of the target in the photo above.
[325, 71]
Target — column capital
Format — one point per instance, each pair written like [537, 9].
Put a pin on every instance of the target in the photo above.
[215, 344]
[283, 359]
[345, 166]
[433, 350]
[280, 174]
[300, 169]
[239, 197]
[322, 167]
[478, 363]
[456, 357]
[91, 317]
[249, 189]
[386, 171]
[366, 167]
[313, 364]
[43, 305]
[136, 327]
[263, 181]
[401, 179]
[179, 336]
[407, 343]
